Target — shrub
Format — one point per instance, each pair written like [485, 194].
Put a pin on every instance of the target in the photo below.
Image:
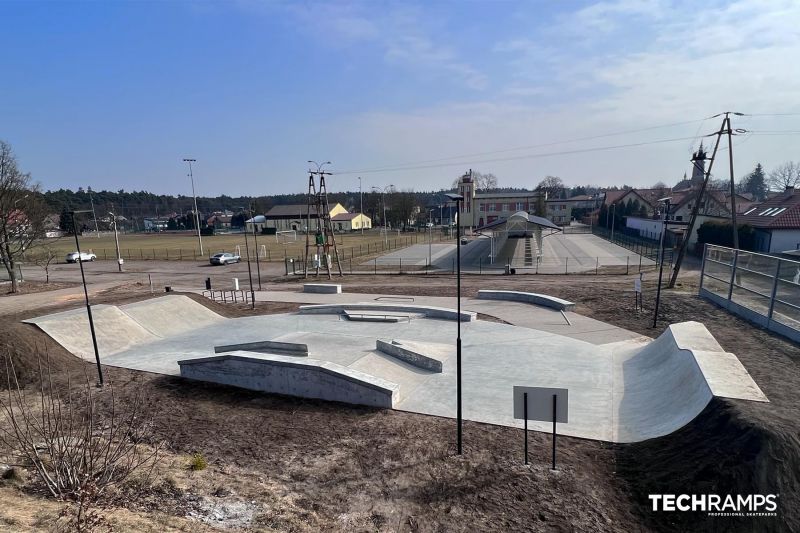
[198, 462]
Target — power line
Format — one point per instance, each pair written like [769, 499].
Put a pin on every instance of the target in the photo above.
[515, 158]
[542, 145]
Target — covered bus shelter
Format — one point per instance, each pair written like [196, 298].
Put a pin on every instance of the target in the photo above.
[520, 234]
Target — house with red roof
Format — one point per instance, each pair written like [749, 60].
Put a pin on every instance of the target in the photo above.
[776, 222]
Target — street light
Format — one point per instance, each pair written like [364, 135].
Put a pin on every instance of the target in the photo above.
[458, 199]
[255, 242]
[383, 201]
[661, 255]
[86, 295]
[319, 165]
[196, 213]
[249, 270]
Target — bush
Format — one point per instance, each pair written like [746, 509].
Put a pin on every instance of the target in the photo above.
[719, 233]
[198, 462]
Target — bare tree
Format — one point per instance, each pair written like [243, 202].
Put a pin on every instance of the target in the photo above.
[482, 182]
[22, 213]
[552, 185]
[77, 449]
[659, 185]
[784, 176]
[44, 259]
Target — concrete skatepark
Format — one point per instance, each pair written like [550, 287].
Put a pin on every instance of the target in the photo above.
[623, 387]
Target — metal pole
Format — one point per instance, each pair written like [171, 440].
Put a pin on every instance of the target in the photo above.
[88, 307]
[255, 242]
[525, 416]
[458, 340]
[554, 430]
[661, 263]
[116, 238]
[250, 271]
[361, 202]
[733, 185]
[196, 213]
[94, 215]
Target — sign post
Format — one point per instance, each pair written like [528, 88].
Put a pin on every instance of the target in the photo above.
[542, 404]
[637, 292]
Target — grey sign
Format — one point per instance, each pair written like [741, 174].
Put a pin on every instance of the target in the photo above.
[540, 403]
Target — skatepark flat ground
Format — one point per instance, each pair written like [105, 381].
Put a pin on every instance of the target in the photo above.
[623, 388]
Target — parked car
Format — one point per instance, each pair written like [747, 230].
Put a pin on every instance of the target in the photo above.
[224, 258]
[464, 240]
[73, 257]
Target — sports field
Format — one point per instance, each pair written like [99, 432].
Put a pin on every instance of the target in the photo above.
[185, 246]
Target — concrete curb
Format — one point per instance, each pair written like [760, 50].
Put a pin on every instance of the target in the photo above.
[527, 297]
[409, 356]
[428, 311]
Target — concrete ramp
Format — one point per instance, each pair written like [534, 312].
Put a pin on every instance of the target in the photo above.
[279, 374]
[116, 331]
[662, 386]
[171, 315]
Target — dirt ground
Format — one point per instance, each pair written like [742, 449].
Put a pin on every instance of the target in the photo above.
[286, 464]
[30, 287]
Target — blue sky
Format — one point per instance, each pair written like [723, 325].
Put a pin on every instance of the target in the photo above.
[113, 95]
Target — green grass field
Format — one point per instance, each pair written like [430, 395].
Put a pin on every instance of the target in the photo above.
[184, 246]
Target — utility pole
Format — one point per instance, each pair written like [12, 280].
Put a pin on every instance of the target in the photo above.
[196, 213]
[116, 237]
[361, 201]
[94, 215]
[693, 216]
[733, 186]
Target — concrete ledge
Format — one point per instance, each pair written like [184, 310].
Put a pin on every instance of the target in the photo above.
[396, 349]
[307, 378]
[322, 288]
[426, 310]
[527, 297]
[274, 347]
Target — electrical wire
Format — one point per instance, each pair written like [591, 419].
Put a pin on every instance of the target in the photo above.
[516, 158]
[542, 145]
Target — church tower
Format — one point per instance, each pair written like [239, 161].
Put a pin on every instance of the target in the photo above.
[699, 165]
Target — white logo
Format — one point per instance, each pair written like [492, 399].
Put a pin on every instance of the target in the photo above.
[717, 505]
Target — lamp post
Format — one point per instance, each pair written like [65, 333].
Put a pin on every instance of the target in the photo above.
[196, 213]
[613, 220]
[86, 296]
[116, 237]
[383, 201]
[661, 256]
[249, 270]
[458, 199]
[255, 243]
[430, 236]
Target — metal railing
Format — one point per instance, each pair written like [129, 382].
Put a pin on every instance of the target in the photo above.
[758, 287]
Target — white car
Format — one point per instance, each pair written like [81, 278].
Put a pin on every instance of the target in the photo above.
[73, 257]
[224, 259]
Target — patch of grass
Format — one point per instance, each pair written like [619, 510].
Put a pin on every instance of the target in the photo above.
[198, 462]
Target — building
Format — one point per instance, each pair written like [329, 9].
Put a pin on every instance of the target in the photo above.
[156, 224]
[560, 210]
[776, 222]
[220, 220]
[479, 209]
[351, 222]
[288, 217]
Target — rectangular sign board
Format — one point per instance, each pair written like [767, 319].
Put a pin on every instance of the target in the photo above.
[540, 403]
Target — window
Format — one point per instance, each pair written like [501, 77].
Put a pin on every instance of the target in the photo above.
[750, 210]
[492, 207]
[766, 212]
[778, 212]
[520, 206]
[505, 207]
[483, 207]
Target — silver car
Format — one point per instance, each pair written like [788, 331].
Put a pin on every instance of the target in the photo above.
[224, 258]
[73, 257]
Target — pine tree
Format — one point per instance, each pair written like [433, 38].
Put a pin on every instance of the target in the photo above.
[755, 183]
